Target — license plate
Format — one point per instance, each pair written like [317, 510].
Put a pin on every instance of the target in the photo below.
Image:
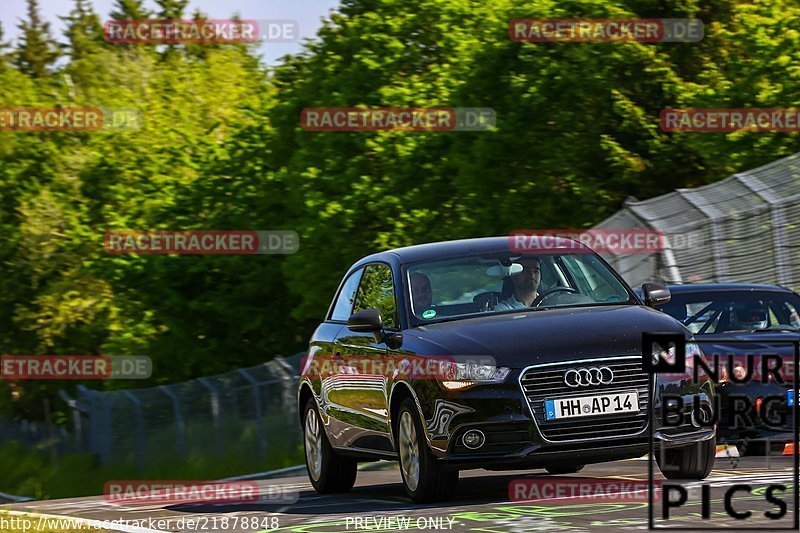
[601, 404]
[790, 398]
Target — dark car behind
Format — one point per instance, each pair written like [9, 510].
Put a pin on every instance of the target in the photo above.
[734, 320]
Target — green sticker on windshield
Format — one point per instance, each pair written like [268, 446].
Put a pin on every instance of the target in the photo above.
[429, 313]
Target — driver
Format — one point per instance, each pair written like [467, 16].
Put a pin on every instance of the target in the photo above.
[421, 294]
[753, 316]
[526, 285]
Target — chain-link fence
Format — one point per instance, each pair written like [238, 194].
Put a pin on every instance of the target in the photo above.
[742, 229]
[248, 412]
[32, 433]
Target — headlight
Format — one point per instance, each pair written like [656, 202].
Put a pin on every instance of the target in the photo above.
[455, 376]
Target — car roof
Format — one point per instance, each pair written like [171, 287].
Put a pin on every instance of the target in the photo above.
[689, 288]
[443, 250]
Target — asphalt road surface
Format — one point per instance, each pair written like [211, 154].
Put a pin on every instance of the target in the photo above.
[483, 503]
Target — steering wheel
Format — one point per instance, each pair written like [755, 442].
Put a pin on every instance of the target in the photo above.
[539, 299]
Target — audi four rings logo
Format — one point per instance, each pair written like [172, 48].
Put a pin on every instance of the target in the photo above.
[588, 376]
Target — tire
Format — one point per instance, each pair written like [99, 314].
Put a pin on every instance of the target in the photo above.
[757, 448]
[563, 469]
[328, 472]
[424, 479]
[688, 462]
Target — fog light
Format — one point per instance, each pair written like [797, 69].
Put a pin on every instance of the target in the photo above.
[473, 439]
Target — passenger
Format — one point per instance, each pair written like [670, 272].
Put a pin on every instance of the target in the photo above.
[526, 285]
[421, 294]
[794, 318]
[753, 316]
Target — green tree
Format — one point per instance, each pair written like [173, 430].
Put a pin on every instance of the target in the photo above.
[4, 46]
[84, 32]
[60, 191]
[171, 9]
[37, 50]
[220, 147]
[577, 123]
[129, 10]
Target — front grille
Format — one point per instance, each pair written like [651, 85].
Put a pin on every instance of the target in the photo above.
[547, 382]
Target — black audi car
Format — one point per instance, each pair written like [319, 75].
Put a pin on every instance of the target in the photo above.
[734, 320]
[470, 354]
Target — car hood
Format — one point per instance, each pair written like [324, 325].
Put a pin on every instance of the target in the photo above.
[744, 342]
[519, 339]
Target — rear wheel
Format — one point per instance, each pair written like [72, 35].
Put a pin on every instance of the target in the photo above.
[688, 462]
[327, 471]
[424, 479]
[563, 469]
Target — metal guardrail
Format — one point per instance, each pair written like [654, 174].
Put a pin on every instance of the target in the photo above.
[10, 498]
[248, 411]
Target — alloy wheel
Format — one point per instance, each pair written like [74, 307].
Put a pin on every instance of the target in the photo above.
[409, 451]
[313, 441]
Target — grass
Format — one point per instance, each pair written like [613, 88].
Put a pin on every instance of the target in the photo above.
[33, 472]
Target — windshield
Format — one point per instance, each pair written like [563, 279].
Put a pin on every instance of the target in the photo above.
[720, 312]
[500, 283]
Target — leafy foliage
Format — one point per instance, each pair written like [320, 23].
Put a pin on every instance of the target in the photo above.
[37, 51]
[220, 147]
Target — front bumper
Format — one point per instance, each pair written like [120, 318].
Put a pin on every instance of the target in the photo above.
[514, 437]
[510, 446]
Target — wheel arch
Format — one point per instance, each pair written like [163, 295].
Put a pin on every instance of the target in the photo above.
[303, 395]
[400, 391]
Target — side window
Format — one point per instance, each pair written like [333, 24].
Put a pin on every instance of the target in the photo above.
[344, 303]
[377, 290]
[591, 279]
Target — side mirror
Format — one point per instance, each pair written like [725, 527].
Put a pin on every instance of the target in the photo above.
[366, 321]
[655, 294]
[370, 321]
